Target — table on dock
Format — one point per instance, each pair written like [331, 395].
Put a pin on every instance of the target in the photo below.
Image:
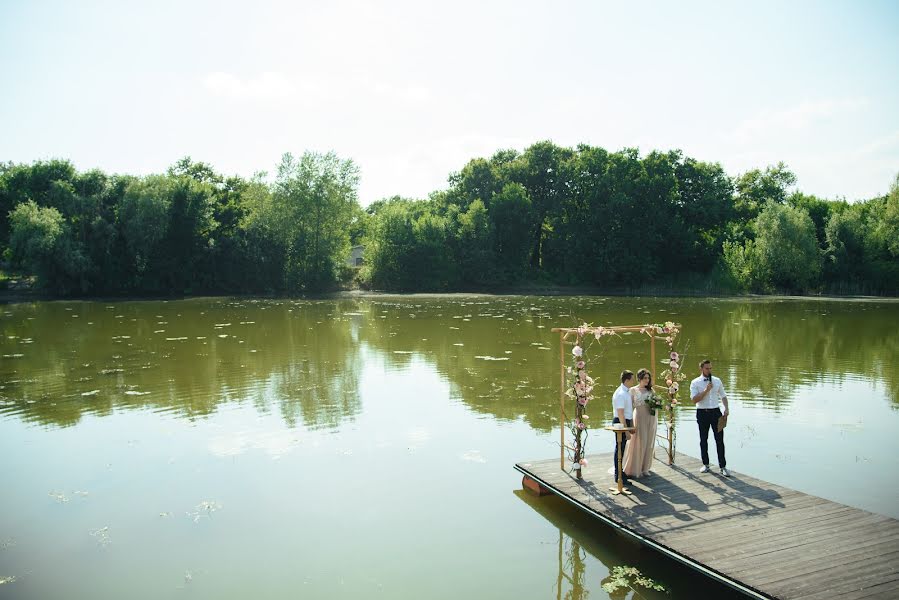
[766, 540]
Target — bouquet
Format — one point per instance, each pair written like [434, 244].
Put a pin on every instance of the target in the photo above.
[654, 402]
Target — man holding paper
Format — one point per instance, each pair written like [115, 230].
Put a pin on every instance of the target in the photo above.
[706, 390]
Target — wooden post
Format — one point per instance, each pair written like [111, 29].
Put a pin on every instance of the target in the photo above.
[619, 435]
[671, 436]
[562, 399]
[619, 488]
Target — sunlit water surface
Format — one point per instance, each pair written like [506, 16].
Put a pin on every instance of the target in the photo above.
[363, 447]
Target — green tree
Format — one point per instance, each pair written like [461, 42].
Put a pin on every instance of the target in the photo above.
[186, 265]
[21, 183]
[40, 242]
[143, 219]
[475, 246]
[756, 188]
[511, 211]
[705, 202]
[389, 247]
[784, 255]
[886, 231]
[478, 180]
[263, 261]
[742, 263]
[626, 251]
[314, 200]
[540, 170]
[198, 171]
[407, 247]
[844, 257]
[818, 209]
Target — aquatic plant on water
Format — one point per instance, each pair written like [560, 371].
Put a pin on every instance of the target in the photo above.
[623, 579]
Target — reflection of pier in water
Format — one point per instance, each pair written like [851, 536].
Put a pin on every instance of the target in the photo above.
[579, 539]
[765, 540]
[572, 558]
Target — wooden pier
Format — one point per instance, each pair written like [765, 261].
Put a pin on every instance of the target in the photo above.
[765, 540]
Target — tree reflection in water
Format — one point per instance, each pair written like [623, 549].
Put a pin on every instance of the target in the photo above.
[61, 360]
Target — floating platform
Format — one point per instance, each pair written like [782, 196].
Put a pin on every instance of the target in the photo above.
[763, 539]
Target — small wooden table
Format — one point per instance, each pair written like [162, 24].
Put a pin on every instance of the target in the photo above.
[619, 431]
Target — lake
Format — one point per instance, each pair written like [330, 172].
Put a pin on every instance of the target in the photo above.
[363, 446]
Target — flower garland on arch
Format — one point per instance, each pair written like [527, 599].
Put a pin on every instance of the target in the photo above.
[673, 376]
[580, 389]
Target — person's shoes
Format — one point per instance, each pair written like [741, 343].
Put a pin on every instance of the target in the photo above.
[704, 469]
[724, 472]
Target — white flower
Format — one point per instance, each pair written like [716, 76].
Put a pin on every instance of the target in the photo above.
[577, 351]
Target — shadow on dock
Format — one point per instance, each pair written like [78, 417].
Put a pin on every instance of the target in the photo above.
[759, 538]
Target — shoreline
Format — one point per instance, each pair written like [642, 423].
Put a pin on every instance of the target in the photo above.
[18, 296]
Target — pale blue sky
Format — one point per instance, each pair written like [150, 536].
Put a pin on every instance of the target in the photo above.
[412, 90]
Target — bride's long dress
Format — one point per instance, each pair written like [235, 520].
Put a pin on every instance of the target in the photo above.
[639, 450]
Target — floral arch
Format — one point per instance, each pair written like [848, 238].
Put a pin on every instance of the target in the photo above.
[577, 385]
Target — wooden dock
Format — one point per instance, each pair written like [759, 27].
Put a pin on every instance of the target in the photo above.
[765, 540]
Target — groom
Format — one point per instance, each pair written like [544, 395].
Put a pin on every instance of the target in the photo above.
[623, 410]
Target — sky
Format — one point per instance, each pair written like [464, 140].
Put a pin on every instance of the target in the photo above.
[412, 90]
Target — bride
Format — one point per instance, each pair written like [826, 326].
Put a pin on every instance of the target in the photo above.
[639, 451]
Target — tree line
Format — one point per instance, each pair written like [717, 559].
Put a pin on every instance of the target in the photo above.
[549, 215]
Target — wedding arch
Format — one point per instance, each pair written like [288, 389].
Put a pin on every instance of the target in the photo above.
[577, 386]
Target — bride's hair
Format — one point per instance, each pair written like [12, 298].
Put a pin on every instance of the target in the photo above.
[643, 373]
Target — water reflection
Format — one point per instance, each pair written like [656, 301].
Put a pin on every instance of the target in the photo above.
[185, 357]
[587, 551]
[776, 348]
[301, 358]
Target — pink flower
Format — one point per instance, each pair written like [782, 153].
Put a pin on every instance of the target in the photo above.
[675, 356]
[580, 425]
[674, 366]
[577, 351]
[581, 331]
[580, 364]
[584, 461]
[598, 333]
[582, 400]
[582, 375]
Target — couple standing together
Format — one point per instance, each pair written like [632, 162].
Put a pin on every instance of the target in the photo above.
[629, 407]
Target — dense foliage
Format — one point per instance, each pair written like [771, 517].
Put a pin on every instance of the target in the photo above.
[549, 215]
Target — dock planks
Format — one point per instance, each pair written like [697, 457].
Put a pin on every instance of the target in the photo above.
[766, 540]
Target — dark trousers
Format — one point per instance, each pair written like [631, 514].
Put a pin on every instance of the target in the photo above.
[708, 417]
[627, 423]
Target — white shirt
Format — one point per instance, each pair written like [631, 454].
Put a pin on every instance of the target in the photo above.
[622, 399]
[697, 386]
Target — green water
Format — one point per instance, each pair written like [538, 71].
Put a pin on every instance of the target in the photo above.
[234, 448]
